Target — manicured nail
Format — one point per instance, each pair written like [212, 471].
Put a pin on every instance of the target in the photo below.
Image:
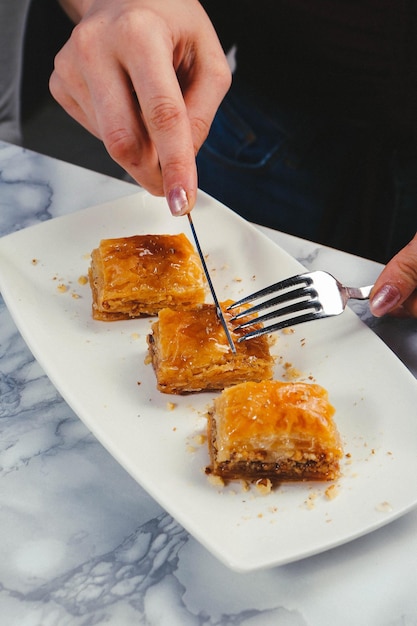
[178, 201]
[385, 300]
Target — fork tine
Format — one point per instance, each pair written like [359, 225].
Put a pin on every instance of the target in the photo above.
[308, 317]
[287, 310]
[279, 286]
[294, 294]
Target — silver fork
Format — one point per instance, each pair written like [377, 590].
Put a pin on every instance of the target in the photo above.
[301, 298]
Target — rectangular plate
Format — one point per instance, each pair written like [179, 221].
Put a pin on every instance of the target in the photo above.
[99, 368]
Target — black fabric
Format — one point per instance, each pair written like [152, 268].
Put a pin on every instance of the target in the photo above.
[356, 59]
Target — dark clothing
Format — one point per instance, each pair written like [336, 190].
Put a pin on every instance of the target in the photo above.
[357, 58]
[317, 136]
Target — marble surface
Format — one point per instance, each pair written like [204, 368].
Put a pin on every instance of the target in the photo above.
[81, 542]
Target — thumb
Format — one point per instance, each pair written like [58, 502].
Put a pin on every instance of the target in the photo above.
[395, 288]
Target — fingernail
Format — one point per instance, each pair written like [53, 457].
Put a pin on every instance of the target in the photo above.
[178, 201]
[385, 300]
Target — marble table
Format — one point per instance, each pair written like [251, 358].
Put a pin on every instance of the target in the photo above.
[83, 544]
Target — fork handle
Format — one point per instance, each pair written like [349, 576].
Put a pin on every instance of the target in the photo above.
[359, 293]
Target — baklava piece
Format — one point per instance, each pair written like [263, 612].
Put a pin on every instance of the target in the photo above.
[190, 352]
[142, 274]
[272, 429]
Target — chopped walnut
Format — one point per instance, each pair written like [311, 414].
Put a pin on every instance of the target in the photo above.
[264, 486]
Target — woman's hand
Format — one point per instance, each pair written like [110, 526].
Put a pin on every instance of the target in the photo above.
[395, 290]
[146, 78]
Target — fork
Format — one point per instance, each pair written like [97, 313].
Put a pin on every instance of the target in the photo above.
[301, 298]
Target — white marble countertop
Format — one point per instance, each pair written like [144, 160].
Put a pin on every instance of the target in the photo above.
[83, 544]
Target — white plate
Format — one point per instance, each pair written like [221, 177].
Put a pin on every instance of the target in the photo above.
[97, 366]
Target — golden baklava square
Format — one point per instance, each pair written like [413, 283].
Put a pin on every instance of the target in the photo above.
[190, 352]
[282, 431]
[142, 274]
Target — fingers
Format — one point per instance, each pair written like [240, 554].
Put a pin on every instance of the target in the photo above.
[167, 124]
[395, 290]
[93, 87]
[205, 79]
[71, 105]
[179, 91]
[179, 74]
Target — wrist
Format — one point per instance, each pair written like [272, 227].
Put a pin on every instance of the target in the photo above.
[76, 9]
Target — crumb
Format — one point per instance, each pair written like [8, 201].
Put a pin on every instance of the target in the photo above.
[35, 261]
[237, 280]
[272, 339]
[148, 359]
[82, 280]
[310, 501]
[75, 295]
[288, 331]
[292, 372]
[171, 406]
[191, 449]
[138, 383]
[135, 336]
[264, 486]
[62, 288]
[331, 492]
[199, 440]
[302, 342]
[384, 507]
[214, 480]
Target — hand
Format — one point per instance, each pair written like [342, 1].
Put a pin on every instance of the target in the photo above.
[146, 78]
[395, 290]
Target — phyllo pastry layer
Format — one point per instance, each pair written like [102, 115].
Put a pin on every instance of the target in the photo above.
[190, 352]
[142, 274]
[272, 429]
